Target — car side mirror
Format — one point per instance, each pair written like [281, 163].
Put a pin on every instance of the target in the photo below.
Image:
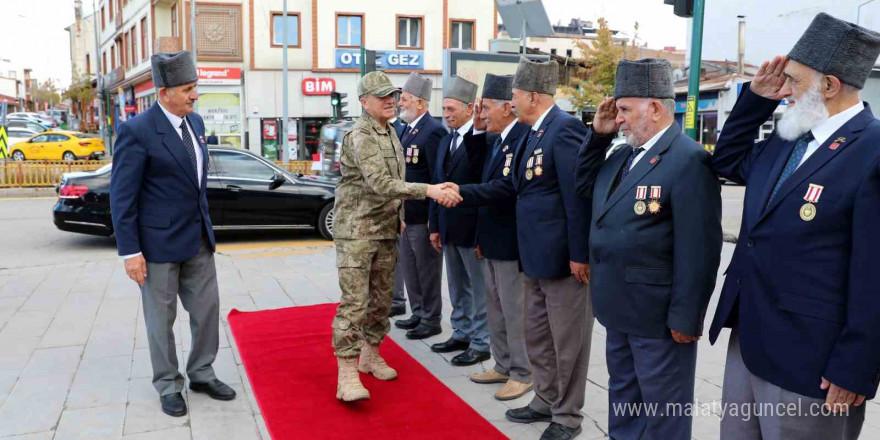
[277, 181]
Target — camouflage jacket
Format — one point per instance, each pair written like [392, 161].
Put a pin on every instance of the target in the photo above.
[368, 197]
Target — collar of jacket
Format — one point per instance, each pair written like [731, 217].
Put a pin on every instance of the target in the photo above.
[369, 119]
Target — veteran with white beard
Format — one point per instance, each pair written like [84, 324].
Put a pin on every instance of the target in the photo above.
[801, 295]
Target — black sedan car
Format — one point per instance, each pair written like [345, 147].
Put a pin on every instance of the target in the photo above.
[245, 192]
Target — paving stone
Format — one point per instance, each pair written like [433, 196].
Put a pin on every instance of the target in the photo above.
[103, 423]
[144, 412]
[34, 405]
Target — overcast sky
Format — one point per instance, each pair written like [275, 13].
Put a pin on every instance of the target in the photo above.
[34, 35]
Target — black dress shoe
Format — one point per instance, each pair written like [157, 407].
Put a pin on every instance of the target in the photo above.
[215, 389]
[173, 405]
[526, 415]
[470, 357]
[451, 345]
[422, 332]
[397, 310]
[409, 323]
[560, 432]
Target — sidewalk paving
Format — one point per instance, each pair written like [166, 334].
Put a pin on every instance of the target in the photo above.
[74, 362]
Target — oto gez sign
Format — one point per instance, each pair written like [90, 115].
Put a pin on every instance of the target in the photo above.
[388, 59]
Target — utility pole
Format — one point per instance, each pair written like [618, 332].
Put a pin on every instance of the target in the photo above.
[693, 100]
[101, 121]
[285, 142]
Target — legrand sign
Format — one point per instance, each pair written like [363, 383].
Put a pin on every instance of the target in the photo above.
[392, 59]
[213, 76]
[318, 86]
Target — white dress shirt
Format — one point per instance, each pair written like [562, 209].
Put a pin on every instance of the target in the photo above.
[507, 129]
[541, 119]
[175, 122]
[413, 124]
[647, 146]
[825, 129]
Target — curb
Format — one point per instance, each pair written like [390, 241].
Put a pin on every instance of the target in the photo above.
[8, 193]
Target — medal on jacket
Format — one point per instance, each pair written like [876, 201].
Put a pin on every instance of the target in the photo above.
[641, 194]
[409, 155]
[529, 172]
[507, 161]
[654, 206]
[415, 156]
[539, 170]
[808, 211]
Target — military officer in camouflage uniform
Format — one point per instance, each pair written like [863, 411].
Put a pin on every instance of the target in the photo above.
[369, 214]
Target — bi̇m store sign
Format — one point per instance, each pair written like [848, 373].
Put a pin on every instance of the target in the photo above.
[392, 59]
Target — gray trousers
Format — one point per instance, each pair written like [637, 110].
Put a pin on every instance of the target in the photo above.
[507, 321]
[743, 391]
[468, 297]
[195, 281]
[649, 371]
[421, 266]
[559, 327]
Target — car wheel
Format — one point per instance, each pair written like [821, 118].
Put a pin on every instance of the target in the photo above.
[17, 155]
[68, 156]
[325, 221]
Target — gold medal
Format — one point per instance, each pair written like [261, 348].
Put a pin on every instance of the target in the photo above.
[506, 171]
[539, 171]
[529, 174]
[654, 207]
[415, 159]
[808, 212]
[408, 159]
[640, 207]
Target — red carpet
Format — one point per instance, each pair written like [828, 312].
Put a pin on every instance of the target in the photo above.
[289, 360]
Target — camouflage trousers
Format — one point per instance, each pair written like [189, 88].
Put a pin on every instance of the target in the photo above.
[366, 277]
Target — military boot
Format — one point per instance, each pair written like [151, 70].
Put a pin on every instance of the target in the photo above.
[348, 386]
[371, 362]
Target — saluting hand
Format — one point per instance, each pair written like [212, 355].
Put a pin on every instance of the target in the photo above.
[479, 122]
[770, 78]
[605, 121]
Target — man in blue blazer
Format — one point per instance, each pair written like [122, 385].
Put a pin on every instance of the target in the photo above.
[497, 243]
[801, 289]
[420, 263]
[454, 230]
[164, 232]
[553, 237]
[655, 247]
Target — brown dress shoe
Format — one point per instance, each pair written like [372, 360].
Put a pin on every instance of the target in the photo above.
[512, 390]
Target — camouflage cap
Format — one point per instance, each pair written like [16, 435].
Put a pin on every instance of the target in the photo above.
[376, 84]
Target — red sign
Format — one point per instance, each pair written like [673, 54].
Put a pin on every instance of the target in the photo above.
[219, 75]
[270, 130]
[143, 87]
[130, 109]
[318, 86]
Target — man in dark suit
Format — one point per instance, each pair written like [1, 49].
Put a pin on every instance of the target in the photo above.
[655, 246]
[420, 263]
[160, 216]
[454, 230]
[553, 238]
[801, 290]
[496, 244]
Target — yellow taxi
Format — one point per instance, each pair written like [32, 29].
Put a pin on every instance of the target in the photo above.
[59, 145]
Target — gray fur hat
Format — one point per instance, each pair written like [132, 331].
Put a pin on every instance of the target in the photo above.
[498, 87]
[534, 76]
[835, 47]
[460, 89]
[173, 69]
[645, 78]
[418, 86]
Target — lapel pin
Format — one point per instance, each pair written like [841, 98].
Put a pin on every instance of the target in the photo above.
[540, 132]
[504, 150]
[654, 159]
[837, 143]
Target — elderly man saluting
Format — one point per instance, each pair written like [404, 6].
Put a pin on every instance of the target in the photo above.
[369, 213]
[655, 246]
[801, 292]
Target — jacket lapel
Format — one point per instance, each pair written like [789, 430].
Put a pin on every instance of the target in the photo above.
[174, 144]
[532, 145]
[644, 166]
[410, 136]
[844, 136]
[460, 152]
[510, 142]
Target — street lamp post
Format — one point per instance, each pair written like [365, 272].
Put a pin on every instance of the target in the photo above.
[100, 77]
